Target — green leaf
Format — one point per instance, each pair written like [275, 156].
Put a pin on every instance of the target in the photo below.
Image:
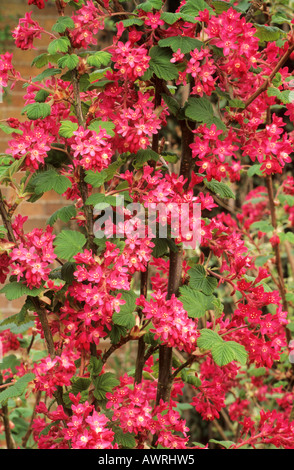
[67, 129]
[236, 104]
[226, 444]
[150, 5]
[67, 272]
[193, 7]
[160, 63]
[95, 179]
[41, 60]
[71, 61]
[99, 59]
[41, 96]
[65, 214]
[68, 243]
[7, 171]
[15, 289]
[286, 96]
[97, 125]
[20, 320]
[170, 18]
[16, 389]
[257, 372]
[199, 110]
[95, 366]
[59, 45]
[200, 281]
[286, 199]
[63, 23]
[268, 33]
[99, 198]
[50, 179]
[288, 236]
[222, 353]
[220, 6]
[132, 21]
[143, 156]
[173, 106]
[184, 43]
[262, 226]
[116, 333]
[79, 384]
[9, 362]
[160, 247]
[103, 384]
[240, 353]
[10, 130]
[194, 302]
[255, 170]
[280, 18]
[208, 338]
[37, 110]
[125, 316]
[46, 74]
[125, 440]
[219, 188]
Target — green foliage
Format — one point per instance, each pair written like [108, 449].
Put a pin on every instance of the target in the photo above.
[200, 281]
[65, 214]
[194, 302]
[201, 110]
[46, 74]
[41, 96]
[15, 289]
[97, 125]
[67, 129]
[50, 180]
[43, 59]
[219, 188]
[17, 389]
[68, 243]
[104, 383]
[268, 33]
[71, 61]
[61, 44]
[223, 352]
[184, 43]
[143, 156]
[225, 444]
[160, 63]
[125, 316]
[262, 226]
[37, 110]
[149, 5]
[62, 24]
[125, 440]
[99, 59]
[102, 200]
[9, 130]
[193, 7]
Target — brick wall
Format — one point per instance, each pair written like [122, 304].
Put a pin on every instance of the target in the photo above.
[39, 212]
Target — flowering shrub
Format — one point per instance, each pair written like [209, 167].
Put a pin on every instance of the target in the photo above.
[128, 338]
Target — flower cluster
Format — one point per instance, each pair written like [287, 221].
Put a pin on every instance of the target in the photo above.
[171, 323]
[26, 31]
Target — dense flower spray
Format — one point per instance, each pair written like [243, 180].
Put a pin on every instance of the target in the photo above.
[147, 338]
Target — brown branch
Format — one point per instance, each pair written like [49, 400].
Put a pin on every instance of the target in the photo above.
[29, 431]
[140, 360]
[10, 444]
[6, 220]
[278, 260]
[267, 82]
